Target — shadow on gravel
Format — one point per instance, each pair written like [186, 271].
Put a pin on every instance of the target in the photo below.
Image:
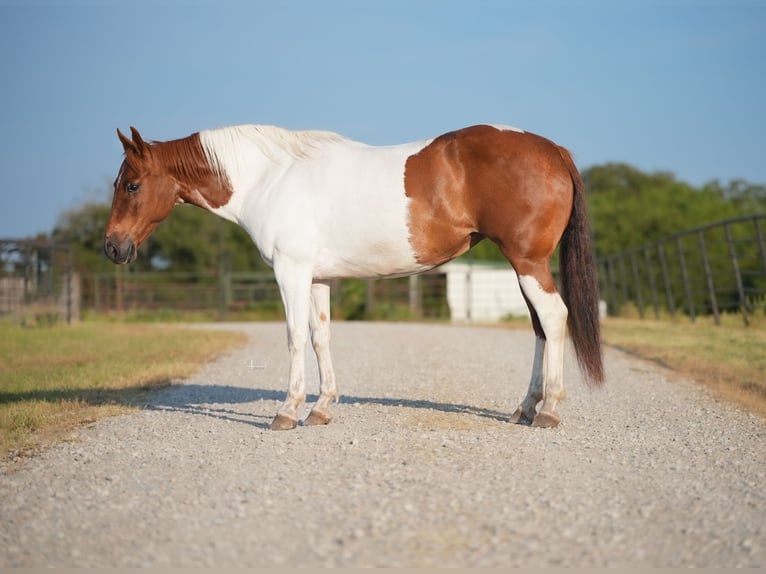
[208, 400]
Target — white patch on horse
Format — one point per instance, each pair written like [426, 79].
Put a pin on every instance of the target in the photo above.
[548, 370]
[336, 205]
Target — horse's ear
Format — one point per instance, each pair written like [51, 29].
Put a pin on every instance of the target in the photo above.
[141, 146]
[136, 146]
[127, 144]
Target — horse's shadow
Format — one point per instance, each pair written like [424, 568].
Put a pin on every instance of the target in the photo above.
[211, 400]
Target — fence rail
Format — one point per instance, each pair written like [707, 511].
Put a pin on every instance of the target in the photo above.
[37, 283]
[708, 270]
[256, 294]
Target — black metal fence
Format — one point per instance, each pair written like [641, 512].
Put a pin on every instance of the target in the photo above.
[37, 284]
[256, 295]
[709, 270]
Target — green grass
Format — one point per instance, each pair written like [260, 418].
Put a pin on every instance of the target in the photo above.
[54, 379]
[729, 358]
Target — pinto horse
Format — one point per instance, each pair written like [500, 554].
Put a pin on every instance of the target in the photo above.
[319, 206]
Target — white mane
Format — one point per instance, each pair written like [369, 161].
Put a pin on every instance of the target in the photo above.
[224, 146]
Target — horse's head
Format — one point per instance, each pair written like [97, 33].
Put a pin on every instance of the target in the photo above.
[144, 195]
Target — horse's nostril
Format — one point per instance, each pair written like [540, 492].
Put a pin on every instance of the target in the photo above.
[119, 252]
[110, 249]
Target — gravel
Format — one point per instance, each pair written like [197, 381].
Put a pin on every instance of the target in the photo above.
[418, 468]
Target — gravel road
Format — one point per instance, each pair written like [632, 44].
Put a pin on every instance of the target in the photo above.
[419, 467]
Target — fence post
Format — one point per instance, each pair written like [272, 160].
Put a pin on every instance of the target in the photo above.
[96, 292]
[369, 306]
[415, 295]
[224, 283]
[602, 284]
[69, 287]
[737, 273]
[637, 283]
[666, 279]
[624, 281]
[336, 288]
[652, 282]
[52, 254]
[685, 279]
[613, 294]
[118, 291]
[709, 277]
[761, 242]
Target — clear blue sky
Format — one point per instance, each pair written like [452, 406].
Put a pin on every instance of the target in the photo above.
[676, 85]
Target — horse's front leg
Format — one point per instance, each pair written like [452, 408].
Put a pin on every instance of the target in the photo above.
[295, 287]
[319, 322]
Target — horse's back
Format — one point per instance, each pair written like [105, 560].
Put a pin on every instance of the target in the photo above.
[364, 211]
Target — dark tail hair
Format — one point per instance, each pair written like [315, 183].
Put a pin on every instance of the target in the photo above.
[579, 282]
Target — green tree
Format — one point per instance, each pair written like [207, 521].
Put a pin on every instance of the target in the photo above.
[192, 239]
[747, 197]
[83, 229]
[628, 207]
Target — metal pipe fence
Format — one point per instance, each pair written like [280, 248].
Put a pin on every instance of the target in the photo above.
[256, 295]
[708, 270]
[37, 284]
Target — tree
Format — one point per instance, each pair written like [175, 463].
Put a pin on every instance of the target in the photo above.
[628, 208]
[83, 229]
[195, 240]
[748, 198]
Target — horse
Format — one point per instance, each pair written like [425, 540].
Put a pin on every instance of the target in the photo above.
[319, 206]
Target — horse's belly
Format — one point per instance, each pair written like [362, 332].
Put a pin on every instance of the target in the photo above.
[374, 244]
[377, 261]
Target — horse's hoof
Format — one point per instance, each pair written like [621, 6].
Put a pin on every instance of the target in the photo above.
[520, 418]
[283, 422]
[546, 420]
[317, 418]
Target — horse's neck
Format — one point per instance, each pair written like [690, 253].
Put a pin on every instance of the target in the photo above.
[242, 173]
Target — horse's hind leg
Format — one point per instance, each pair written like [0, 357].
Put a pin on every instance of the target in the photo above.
[319, 322]
[526, 412]
[550, 316]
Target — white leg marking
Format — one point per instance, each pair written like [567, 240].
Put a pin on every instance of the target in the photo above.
[553, 319]
[320, 339]
[295, 287]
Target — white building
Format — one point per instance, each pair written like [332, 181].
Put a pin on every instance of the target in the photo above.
[483, 291]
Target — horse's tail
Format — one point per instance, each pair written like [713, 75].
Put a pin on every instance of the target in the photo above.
[579, 283]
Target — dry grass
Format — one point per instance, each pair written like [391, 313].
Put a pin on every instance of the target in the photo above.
[54, 379]
[730, 358]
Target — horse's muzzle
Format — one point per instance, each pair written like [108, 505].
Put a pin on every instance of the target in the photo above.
[120, 250]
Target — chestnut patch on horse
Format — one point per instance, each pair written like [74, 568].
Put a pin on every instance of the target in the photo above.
[481, 182]
[186, 161]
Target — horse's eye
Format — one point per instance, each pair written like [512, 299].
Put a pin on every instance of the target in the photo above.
[133, 187]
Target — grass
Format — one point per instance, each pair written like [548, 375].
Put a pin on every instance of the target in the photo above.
[730, 359]
[54, 379]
